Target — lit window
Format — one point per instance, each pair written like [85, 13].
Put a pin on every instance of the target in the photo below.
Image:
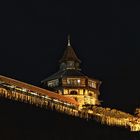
[65, 91]
[53, 83]
[68, 81]
[73, 81]
[92, 84]
[78, 80]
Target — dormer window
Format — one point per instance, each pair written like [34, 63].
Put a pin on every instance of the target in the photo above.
[63, 66]
[70, 65]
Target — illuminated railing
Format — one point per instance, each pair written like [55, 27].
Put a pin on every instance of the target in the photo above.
[22, 92]
[115, 117]
[107, 116]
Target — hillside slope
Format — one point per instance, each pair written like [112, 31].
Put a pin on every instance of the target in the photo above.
[19, 121]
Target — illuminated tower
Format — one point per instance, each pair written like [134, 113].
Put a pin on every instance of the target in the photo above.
[71, 82]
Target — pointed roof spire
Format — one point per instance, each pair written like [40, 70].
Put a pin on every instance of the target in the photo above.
[69, 40]
[69, 54]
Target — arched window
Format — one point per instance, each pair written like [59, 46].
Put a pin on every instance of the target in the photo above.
[90, 94]
[73, 92]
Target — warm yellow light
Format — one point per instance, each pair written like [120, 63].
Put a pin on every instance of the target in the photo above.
[81, 92]
[65, 91]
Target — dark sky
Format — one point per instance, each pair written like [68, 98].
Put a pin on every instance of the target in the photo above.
[104, 34]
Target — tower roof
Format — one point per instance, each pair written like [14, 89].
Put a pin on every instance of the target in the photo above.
[66, 73]
[69, 54]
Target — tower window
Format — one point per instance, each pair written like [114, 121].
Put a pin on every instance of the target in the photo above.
[63, 66]
[73, 81]
[78, 80]
[92, 84]
[53, 83]
[90, 94]
[70, 64]
[73, 92]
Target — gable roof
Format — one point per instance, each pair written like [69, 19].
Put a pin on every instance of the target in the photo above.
[39, 90]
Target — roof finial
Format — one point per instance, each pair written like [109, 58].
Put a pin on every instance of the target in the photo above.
[69, 40]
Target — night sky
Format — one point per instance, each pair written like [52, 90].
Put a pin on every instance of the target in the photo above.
[104, 34]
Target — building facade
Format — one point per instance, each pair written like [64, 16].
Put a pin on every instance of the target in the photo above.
[69, 81]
